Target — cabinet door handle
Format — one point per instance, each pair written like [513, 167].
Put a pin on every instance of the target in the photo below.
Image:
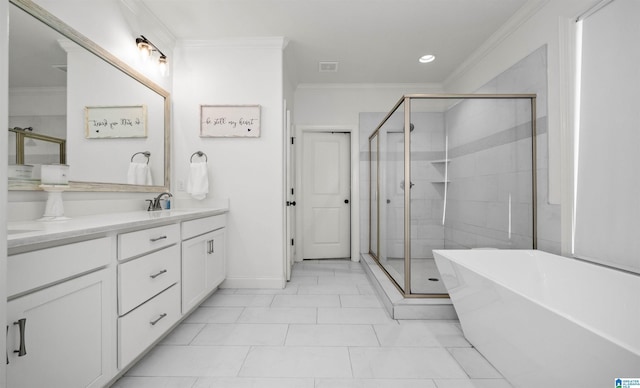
[213, 247]
[158, 319]
[6, 351]
[157, 238]
[157, 274]
[22, 324]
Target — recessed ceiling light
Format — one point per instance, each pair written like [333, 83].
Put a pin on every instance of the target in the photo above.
[427, 58]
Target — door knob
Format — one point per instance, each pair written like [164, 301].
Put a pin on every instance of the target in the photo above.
[346, 201]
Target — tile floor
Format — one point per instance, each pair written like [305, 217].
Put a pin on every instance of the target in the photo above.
[326, 329]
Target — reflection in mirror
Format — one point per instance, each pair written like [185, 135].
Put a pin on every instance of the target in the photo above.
[26, 147]
[50, 97]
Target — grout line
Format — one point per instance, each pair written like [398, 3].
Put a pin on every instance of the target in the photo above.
[244, 361]
[286, 336]
[373, 327]
[239, 315]
[197, 334]
[350, 361]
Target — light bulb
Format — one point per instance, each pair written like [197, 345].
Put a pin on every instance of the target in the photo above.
[162, 64]
[144, 47]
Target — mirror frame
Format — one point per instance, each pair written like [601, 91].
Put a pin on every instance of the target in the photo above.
[52, 21]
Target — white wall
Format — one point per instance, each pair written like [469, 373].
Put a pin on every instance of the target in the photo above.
[248, 171]
[336, 104]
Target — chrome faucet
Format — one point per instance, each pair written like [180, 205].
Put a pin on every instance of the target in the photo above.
[154, 204]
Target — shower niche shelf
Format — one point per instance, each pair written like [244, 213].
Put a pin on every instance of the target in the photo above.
[439, 163]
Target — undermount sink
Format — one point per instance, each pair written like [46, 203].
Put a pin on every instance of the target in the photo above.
[166, 212]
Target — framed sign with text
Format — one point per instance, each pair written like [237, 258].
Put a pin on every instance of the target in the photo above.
[229, 120]
[105, 122]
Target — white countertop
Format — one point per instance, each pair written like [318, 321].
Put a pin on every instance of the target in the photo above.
[24, 233]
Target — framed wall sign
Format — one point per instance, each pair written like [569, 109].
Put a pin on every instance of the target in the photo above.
[229, 120]
[103, 122]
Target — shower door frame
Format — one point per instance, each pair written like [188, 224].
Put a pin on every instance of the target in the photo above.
[406, 100]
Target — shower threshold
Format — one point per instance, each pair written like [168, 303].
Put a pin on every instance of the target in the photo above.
[397, 305]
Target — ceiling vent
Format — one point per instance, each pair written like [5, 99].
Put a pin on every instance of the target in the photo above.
[328, 67]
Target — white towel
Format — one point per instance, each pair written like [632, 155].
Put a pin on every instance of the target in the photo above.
[198, 184]
[139, 174]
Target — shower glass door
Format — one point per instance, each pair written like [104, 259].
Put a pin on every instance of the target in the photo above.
[387, 237]
[374, 225]
[450, 171]
[429, 183]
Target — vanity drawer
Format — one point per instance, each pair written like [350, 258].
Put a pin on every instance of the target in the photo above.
[141, 327]
[31, 270]
[146, 276]
[200, 226]
[141, 241]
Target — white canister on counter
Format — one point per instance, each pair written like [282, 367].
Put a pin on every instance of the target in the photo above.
[54, 174]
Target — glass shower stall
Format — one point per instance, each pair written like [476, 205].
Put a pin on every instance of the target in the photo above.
[450, 171]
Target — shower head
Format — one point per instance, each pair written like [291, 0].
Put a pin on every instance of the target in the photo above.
[411, 127]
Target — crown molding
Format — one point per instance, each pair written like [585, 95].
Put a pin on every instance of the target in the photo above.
[528, 10]
[432, 87]
[39, 90]
[143, 21]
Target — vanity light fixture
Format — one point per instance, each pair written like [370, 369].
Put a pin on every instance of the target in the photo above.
[427, 58]
[146, 51]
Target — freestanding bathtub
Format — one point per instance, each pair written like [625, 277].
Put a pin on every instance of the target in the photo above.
[545, 320]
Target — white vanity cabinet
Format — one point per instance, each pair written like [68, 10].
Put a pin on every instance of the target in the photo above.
[58, 316]
[203, 258]
[148, 290]
[89, 296]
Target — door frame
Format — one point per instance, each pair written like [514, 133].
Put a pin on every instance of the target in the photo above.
[290, 171]
[354, 152]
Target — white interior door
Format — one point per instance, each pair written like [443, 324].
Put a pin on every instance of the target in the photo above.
[326, 176]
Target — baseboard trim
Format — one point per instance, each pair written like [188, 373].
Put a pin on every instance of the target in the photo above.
[271, 283]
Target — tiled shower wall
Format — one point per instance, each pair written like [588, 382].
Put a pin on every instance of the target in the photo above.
[490, 160]
[489, 169]
[489, 196]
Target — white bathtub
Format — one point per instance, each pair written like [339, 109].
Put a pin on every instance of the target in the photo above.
[544, 320]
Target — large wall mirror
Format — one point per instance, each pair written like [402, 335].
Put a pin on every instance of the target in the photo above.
[113, 121]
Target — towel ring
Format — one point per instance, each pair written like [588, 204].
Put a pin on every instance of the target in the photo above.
[145, 153]
[200, 154]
